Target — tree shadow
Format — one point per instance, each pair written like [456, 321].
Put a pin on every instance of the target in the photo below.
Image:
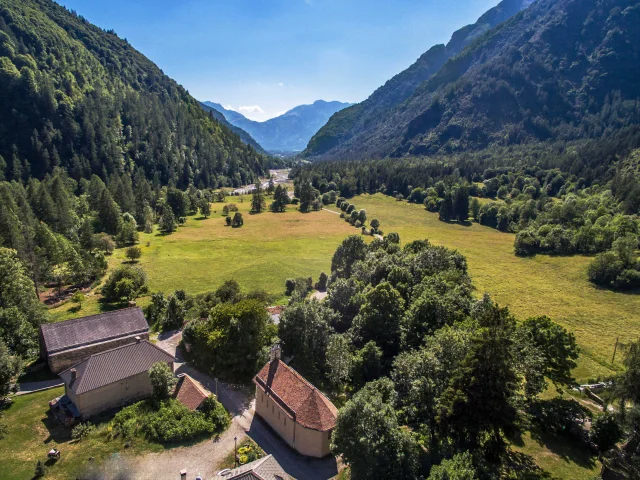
[523, 466]
[199, 219]
[58, 433]
[565, 447]
[105, 306]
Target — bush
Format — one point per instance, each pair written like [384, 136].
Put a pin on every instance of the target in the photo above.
[322, 282]
[167, 421]
[162, 379]
[237, 220]
[215, 413]
[81, 430]
[290, 286]
[295, 201]
[606, 432]
[133, 253]
[125, 282]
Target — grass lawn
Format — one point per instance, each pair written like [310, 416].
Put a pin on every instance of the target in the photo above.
[541, 285]
[32, 434]
[202, 254]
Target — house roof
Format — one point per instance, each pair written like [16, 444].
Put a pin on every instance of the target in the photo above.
[265, 468]
[114, 365]
[93, 329]
[189, 393]
[304, 402]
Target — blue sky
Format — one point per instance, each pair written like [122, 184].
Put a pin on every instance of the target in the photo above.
[270, 55]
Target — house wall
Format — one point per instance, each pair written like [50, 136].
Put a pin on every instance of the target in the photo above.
[113, 395]
[68, 358]
[306, 441]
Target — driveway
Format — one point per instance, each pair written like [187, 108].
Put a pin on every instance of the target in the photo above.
[205, 457]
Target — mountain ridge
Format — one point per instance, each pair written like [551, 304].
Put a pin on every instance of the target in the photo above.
[347, 123]
[290, 131]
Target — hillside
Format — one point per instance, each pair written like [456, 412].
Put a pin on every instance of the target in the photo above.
[365, 116]
[289, 132]
[244, 136]
[81, 98]
[560, 70]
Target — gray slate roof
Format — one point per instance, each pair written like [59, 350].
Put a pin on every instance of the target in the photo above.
[93, 329]
[265, 468]
[114, 365]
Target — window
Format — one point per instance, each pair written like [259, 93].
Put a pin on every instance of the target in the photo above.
[278, 414]
[285, 421]
[272, 409]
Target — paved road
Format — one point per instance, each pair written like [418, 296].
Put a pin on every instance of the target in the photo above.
[30, 387]
[205, 457]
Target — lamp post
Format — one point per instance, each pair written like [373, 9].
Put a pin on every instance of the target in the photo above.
[235, 451]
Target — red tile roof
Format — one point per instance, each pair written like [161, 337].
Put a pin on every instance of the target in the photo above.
[189, 393]
[304, 402]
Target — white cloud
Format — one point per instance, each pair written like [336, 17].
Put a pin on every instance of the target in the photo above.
[251, 109]
[281, 84]
[229, 107]
[280, 113]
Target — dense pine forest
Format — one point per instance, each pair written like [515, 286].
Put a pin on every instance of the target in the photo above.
[77, 97]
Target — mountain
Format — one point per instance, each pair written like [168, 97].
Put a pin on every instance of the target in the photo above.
[81, 98]
[244, 136]
[367, 115]
[291, 131]
[561, 70]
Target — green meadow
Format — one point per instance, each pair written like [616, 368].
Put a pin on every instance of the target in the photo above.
[271, 247]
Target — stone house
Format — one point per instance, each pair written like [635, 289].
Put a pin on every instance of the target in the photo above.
[64, 344]
[295, 409]
[113, 378]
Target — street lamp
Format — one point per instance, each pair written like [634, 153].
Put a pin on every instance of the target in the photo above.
[235, 451]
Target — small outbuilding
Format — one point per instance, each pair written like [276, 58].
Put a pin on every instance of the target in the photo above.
[64, 344]
[265, 468]
[189, 393]
[296, 410]
[113, 378]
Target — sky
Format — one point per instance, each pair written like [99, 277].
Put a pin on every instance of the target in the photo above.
[264, 57]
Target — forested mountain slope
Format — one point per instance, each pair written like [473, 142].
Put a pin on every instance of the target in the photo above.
[244, 136]
[289, 132]
[81, 98]
[364, 116]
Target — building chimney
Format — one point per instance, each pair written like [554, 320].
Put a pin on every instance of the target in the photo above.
[74, 375]
[276, 352]
[138, 339]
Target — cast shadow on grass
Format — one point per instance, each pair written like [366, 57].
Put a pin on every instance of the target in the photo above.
[105, 306]
[567, 448]
[524, 466]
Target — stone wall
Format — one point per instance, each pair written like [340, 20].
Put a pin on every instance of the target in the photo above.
[60, 361]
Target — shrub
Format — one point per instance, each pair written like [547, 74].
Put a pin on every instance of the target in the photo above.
[295, 201]
[322, 282]
[237, 220]
[215, 413]
[606, 432]
[290, 286]
[133, 253]
[162, 379]
[81, 430]
[103, 242]
[125, 282]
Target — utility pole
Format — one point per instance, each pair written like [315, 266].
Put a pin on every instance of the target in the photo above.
[614, 350]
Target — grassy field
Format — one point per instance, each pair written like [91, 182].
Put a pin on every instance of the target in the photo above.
[270, 248]
[541, 285]
[32, 434]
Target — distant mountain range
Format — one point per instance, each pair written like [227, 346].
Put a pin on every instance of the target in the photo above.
[289, 132]
[244, 136]
[351, 125]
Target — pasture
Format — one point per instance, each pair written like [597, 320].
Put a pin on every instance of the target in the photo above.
[272, 247]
